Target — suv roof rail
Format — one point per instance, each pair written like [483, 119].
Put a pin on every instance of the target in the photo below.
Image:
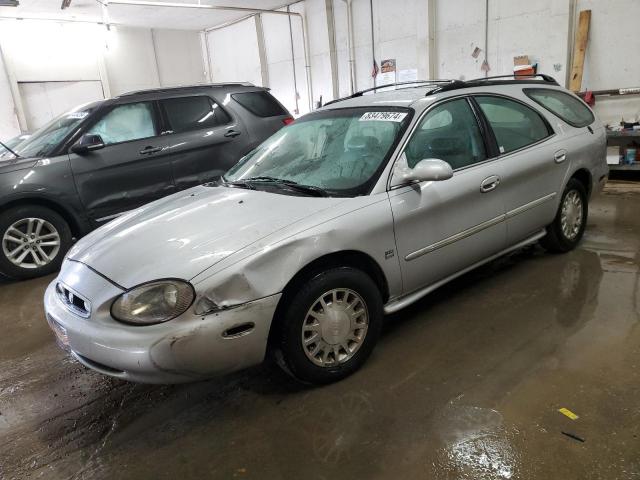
[185, 87]
[359, 93]
[495, 80]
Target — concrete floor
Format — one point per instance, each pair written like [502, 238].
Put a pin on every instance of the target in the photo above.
[465, 384]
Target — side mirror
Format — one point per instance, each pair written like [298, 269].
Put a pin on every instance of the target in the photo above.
[87, 143]
[431, 169]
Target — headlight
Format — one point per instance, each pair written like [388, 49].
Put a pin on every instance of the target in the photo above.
[153, 302]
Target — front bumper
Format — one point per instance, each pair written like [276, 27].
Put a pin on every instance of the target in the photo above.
[184, 349]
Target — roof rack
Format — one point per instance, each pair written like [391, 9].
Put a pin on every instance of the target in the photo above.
[185, 87]
[379, 87]
[495, 80]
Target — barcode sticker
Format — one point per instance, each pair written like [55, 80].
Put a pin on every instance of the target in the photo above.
[383, 117]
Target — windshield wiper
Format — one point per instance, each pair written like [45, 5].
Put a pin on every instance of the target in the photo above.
[317, 191]
[237, 183]
[9, 150]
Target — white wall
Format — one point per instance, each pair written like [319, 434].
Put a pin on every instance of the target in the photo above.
[39, 51]
[400, 31]
[320, 58]
[612, 59]
[234, 53]
[9, 126]
[137, 58]
[179, 57]
[130, 60]
[122, 59]
[537, 28]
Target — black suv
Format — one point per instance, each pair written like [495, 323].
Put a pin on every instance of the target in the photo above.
[100, 160]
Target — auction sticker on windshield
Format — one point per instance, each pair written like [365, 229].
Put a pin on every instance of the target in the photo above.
[383, 116]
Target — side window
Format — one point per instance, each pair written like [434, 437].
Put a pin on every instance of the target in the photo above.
[126, 122]
[260, 103]
[514, 124]
[193, 113]
[569, 108]
[448, 132]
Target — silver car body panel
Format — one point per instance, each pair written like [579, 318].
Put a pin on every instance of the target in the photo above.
[240, 248]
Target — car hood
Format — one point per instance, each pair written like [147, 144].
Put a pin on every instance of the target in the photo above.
[181, 235]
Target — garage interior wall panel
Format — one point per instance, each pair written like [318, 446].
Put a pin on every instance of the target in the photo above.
[131, 60]
[319, 47]
[134, 58]
[139, 58]
[9, 126]
[280, 61]
[45, 51]
[342, 47]
[611, 59]
[43, 101]
[537, 28]
[179, 57]
[234, 53]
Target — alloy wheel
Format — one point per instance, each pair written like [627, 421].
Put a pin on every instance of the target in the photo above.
[31, 243]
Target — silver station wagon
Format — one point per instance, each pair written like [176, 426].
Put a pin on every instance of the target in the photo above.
[352, 212]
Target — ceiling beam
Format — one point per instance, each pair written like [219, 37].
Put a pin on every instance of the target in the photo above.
[199, 6]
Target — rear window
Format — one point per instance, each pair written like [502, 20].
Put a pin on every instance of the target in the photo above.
[193, 113]
[260, 103]
[514, 125]
[569, 108]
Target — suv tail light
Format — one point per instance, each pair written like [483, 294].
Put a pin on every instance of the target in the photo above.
[288, 121]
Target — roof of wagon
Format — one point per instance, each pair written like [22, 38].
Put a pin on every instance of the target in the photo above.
[407, 93]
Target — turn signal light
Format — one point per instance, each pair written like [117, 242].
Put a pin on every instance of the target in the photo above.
[287, 121]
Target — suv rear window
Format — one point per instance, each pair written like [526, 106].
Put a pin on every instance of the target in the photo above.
[193, 113]
[569, 108]
[260, 103]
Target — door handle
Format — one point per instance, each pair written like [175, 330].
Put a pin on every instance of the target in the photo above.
[489, 183]
[232, 133]
[149, 150]
[560, 156]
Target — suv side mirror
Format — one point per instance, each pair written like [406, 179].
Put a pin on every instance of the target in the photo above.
[87, 143]
[431, 169]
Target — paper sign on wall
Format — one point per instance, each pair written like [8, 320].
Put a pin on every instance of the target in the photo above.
[387, 71]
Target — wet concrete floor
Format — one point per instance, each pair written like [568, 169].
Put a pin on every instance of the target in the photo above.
[465, 384]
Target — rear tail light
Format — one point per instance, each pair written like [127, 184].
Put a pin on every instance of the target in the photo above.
[287, 121]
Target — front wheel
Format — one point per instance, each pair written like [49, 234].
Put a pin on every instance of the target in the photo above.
[34, 241]
[567, 228]
[330, 326]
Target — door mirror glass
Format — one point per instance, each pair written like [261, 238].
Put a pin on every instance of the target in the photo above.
[88, 143]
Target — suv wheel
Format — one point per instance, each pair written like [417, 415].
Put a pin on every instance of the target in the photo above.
[566, 230]
[330, 326]
[34, 241]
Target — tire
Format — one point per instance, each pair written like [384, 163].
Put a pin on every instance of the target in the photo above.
[351, 286]
[559, 239]
[41, 254]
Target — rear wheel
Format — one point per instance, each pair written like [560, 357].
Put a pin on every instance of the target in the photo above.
[34, 241]
[330, 326]
[567, 228]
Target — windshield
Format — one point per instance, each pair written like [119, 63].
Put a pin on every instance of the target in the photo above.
[50, 135]
[11, 143]
[339, 151]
